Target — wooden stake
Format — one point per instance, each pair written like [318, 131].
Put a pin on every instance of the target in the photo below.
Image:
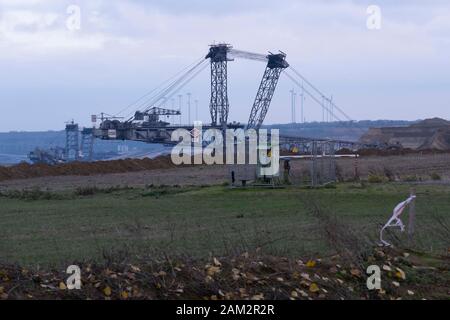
[412, 218]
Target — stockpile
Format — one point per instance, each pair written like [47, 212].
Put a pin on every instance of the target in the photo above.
[25, 170]
[440, 141]
[428, 134]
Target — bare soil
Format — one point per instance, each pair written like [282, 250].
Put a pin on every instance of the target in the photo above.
[139, 173]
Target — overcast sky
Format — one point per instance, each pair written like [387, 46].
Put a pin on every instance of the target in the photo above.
[51, 74]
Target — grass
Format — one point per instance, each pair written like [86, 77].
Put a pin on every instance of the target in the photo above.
[57, 229]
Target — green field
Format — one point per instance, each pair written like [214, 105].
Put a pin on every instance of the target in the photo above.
[40, 228]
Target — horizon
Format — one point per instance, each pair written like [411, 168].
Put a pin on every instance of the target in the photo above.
[270, 124]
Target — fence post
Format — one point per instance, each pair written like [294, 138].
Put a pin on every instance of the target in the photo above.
[314, 164]
[412, 218]
[356, 165]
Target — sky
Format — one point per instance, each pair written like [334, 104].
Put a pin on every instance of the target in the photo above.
[54, 70]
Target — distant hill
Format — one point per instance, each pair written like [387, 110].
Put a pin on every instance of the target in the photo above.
[348, 131]
[20, 143]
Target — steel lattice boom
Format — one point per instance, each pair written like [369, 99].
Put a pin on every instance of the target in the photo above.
[219, 105]
[277, 63]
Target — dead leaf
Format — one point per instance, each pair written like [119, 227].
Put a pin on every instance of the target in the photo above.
[212, 270]
[380, 253]
[311, 264]
[313, 288]
[303, 293]
[305, 276]
[62, 286]
[258, 297]
[107, 291]
[400, 274]
[243, 293]
[355, 272]
[135, 269]
[217, 262]
[333, 270]
[305, 283]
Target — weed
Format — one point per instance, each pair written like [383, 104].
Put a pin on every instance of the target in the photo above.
[435, 176]
[373, 178]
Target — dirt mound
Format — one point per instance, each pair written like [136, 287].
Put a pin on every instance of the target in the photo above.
[428, 134]
[25, 170]
[398, 152]
[439, 141]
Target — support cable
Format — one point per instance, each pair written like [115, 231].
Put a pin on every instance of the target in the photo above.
[181, 86]
[319, 102]
[146, 105]
[321, 94]
[156, 88]
[173, 85]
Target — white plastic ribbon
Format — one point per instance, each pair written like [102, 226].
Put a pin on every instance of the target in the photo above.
[394, 221]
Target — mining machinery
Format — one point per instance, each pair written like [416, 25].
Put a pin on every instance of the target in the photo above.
[146, 125]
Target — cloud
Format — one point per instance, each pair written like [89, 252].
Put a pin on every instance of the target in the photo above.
[134, 44]
[310, 30]
[43, 30]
